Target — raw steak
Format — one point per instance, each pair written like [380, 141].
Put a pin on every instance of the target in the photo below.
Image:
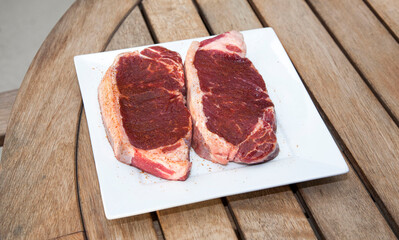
[233, 116]
[143, 108]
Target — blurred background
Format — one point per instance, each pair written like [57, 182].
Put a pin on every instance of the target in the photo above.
[24, 24]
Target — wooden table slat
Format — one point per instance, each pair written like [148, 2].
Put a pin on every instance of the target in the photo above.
[388, 10]
[133, 32]
[38, 192]
[6, 102]
[204, 220]
[174, 20]
[344, 97]
[223, 16]
[343, 209]
[368, 43]
[270, 214]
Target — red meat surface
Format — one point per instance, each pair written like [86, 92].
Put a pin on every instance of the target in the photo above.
[233, 116]
[143, 108]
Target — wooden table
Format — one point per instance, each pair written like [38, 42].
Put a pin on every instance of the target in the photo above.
[347, 54]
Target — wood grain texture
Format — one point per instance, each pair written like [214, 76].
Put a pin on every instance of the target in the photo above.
[204, 220]
[371, 47]
[176, 20]
[364, 126]
[38, 193]
[133, 32]
[270, 214]
[224, 15]
[267, 214]
[96, 225]
[73, 236]
[343, 208]
[6, 102]
[388, 10]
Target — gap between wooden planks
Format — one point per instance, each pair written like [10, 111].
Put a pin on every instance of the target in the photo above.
[72, 236]
[339, 188]
[388, 13]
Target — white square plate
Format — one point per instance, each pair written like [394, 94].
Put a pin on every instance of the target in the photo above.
[307, 150]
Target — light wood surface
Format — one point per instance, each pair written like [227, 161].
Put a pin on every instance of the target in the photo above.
[38, 192]
[96, 225]
[173, 20]
[388, 10]
[176, 20]
[223, 16]
[371, 47]
[6, 102]
[260, 215]
[204, 220]
[364, 126]
[343, 209]
[132, 32]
